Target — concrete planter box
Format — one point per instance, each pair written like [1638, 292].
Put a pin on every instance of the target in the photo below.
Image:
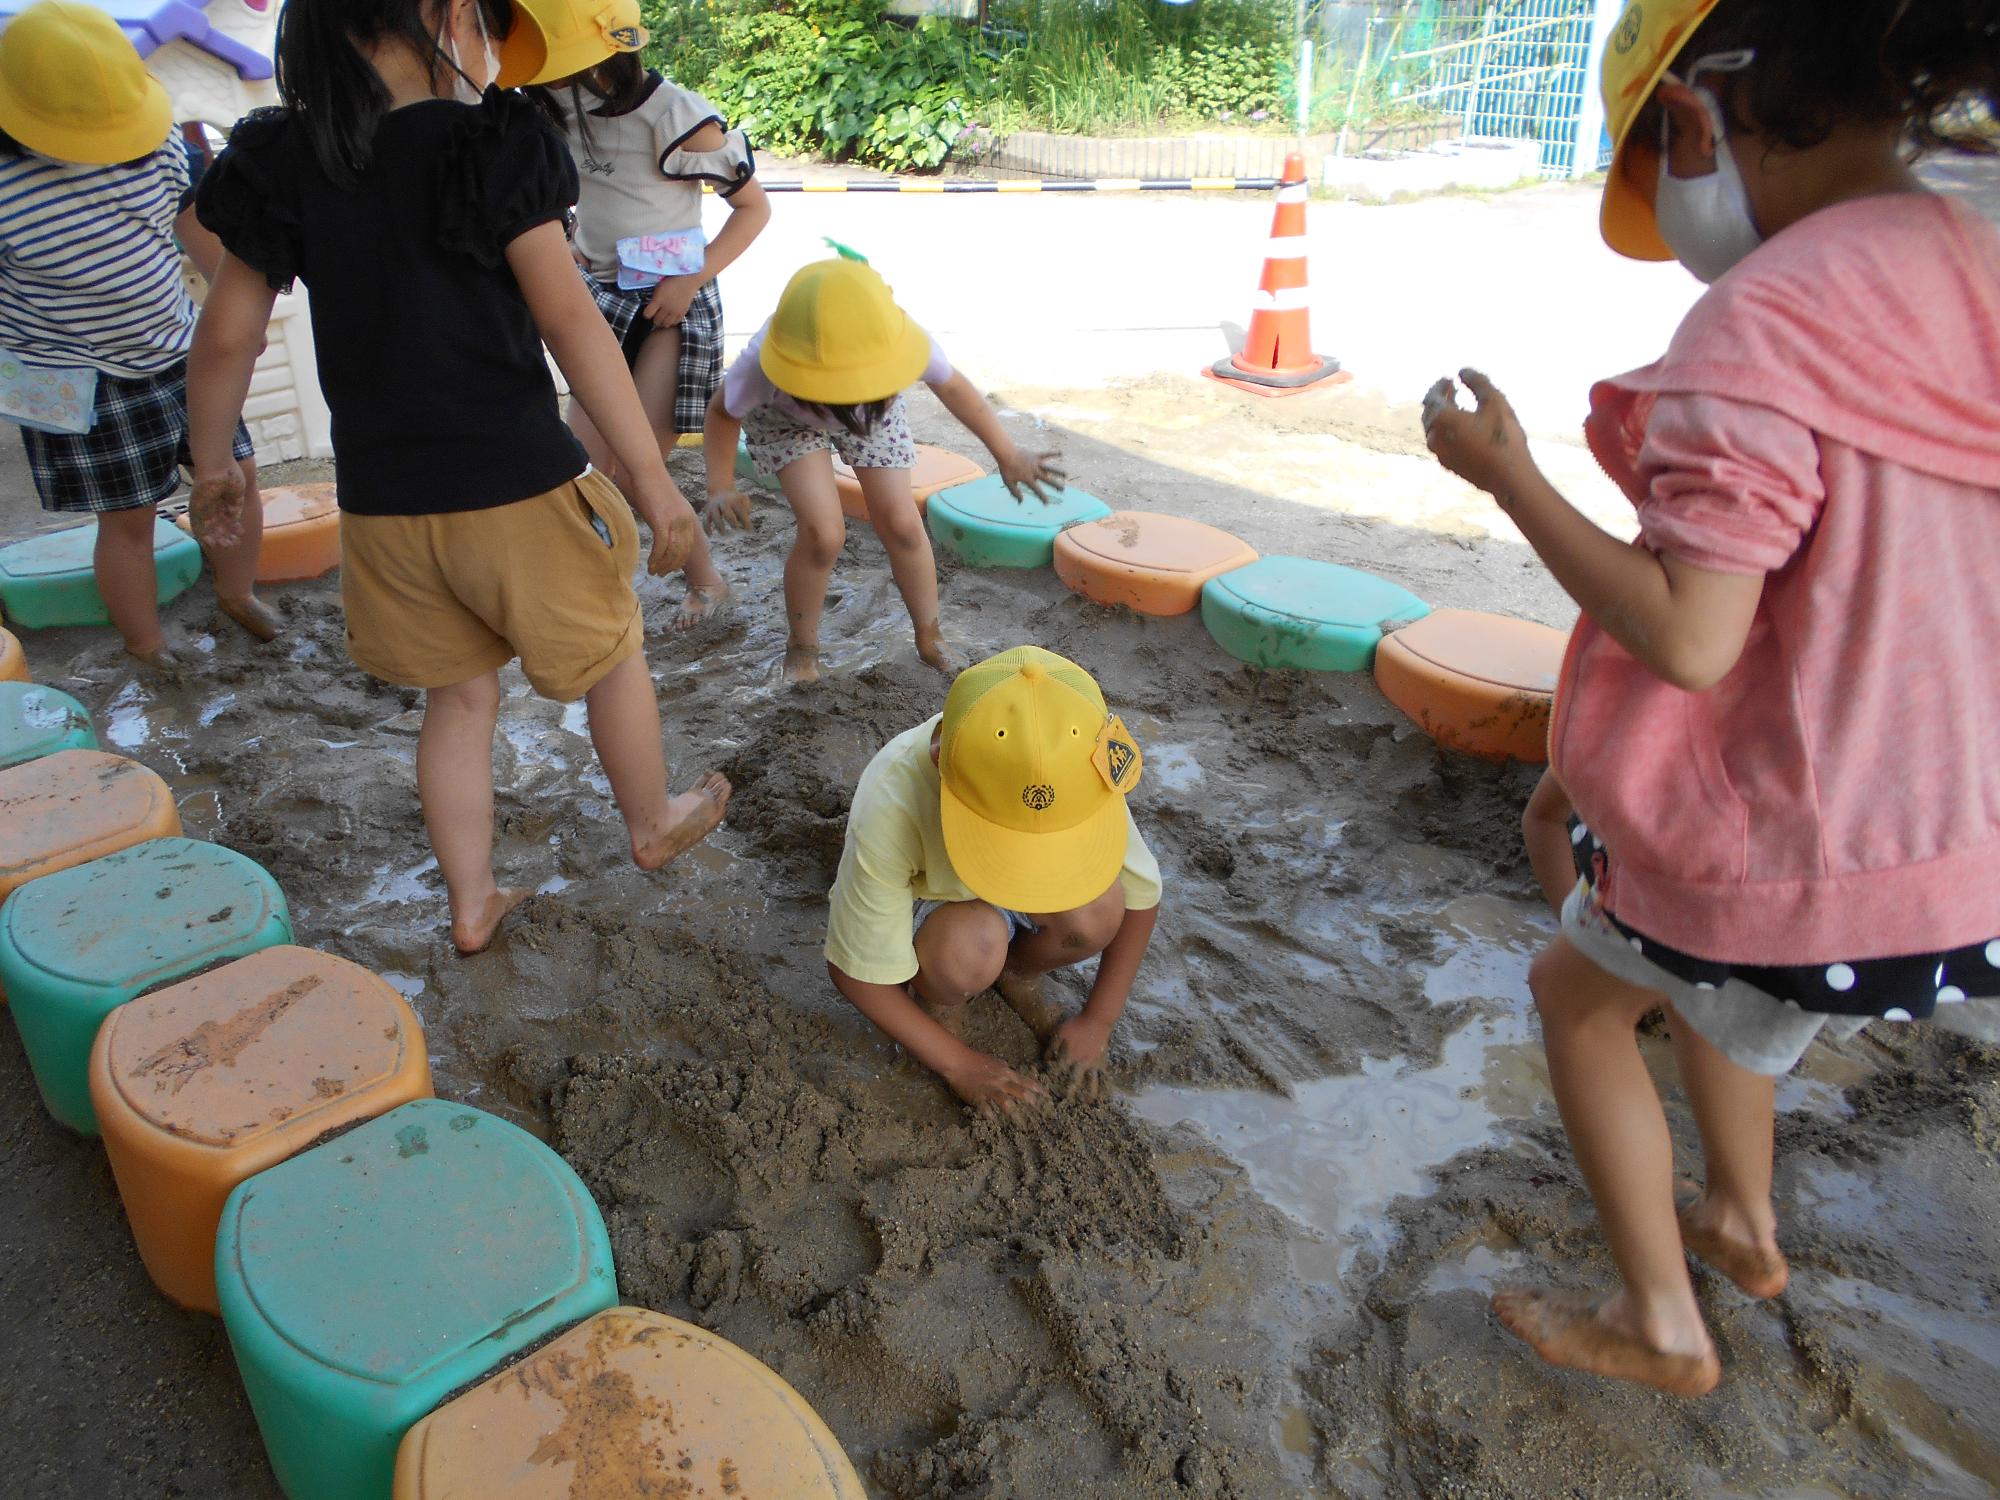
[1475, 162]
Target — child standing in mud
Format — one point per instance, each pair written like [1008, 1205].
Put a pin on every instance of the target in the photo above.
[986, 848]
[826, 374]
[425, 211]
[644, 147]
[1777, 721]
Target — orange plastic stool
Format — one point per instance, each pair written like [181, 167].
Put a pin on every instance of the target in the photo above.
[1152, 563]
[77, 805]
[937, 469]
[627, 1403]
[210, 1081]
[13, 660]
[1475, 682]
[301, 533]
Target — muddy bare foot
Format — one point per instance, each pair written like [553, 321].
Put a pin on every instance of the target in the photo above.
[254, 615]
[475, 932]
[691, 817]
[160, 660]
[1027, 998]
[1576, 1332]
[1721, 1242]
[951, 1017]
[801, 665]
[934, 651]
[701, 602]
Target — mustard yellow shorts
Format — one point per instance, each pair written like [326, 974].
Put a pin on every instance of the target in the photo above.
[435, 600]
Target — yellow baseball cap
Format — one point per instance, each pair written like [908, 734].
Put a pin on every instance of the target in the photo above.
[839, 337]
[72, 87]
[555, 39]
[1644, 43]
[1035, 772]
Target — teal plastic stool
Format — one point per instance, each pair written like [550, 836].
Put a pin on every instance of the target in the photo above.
[1293, 612]
[37, 721]
[47, 580]
[367, 1279]
[988, 528]
[76, 945]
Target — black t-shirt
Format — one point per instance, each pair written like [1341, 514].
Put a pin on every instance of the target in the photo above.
[429, 361]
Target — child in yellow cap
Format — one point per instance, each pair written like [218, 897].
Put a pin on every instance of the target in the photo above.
[1777, 721]
[826, 374]
[987, 847]
[644, 147]
[94, 187]
[425, 210]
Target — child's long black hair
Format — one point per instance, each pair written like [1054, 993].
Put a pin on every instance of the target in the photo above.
[332, 91]
[616, 86]
[1932, 64]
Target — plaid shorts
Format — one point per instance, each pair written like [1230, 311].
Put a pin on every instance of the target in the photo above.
[700, 369]
[133, 453]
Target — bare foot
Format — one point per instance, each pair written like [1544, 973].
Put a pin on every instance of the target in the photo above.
[254, 615]
[1025, 996]
[1721, 1241]
[159, 659]
[702, 601]
[691, 817]
[951, 1017]
[801, 665]
[1578, 1332]
[476, 932]
[934, 651]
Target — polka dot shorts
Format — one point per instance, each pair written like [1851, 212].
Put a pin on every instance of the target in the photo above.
[1763, 1017]
[776, 441]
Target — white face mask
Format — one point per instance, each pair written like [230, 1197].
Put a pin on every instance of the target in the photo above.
[1706, 221]
[462, 87]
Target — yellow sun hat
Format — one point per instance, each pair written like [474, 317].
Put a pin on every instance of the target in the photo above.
[1035, 772]
[554, 39]
[72, 87]
[1644, 43]
[838, 336]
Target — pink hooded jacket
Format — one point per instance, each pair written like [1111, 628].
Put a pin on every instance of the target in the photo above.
[1828, 416]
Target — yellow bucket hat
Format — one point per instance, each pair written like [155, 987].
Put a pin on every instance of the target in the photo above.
[72, 87]
[1644, 43]
[1035, 772]
[838, 337]
[553, 39]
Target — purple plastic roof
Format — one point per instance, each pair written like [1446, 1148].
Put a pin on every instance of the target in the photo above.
[151, 24]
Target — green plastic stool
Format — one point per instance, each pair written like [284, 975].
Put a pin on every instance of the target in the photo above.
[1293, 612]
[988, 528]
[47, 580]
[37, 721]
[367, 1279]
[76, 945]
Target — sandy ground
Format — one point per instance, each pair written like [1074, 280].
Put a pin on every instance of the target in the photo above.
[1260, 1270]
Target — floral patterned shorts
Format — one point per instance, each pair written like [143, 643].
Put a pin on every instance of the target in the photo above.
[776, 441]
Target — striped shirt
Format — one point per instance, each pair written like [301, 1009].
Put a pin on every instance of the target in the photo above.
[89, 272]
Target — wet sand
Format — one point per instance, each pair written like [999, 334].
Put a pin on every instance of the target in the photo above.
[1260, 1270]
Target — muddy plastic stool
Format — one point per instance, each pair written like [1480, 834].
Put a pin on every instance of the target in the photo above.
[37, 721]
[301, 533]
[76, 945]
[1293, 612]
[367, 1279]
[210, 1081]
[629, 1403]
[75, 806]
[937, 469]
[985, 527]
[1480, 683]
[48, 580]
[1152, 563]
[13, 660]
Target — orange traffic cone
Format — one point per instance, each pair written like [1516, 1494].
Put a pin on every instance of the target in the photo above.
[1278, 358]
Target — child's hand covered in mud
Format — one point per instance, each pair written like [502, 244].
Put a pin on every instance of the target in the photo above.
[725, 511]
[215, 510]
[1076, 1055]
[673, 536]
[1486, 446]
[991, 1087]
[1027, 474]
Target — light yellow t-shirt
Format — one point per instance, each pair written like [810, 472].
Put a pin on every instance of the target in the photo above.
[895, 857]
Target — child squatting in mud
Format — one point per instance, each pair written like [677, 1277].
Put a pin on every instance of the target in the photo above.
[985, 848]
[1777, 719]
